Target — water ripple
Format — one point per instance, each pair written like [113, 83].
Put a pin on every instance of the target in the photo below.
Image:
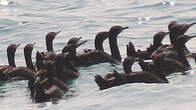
[26, 21]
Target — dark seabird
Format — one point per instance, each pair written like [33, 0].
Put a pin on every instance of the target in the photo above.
[90, 55]
[65, 69]
[11, 49]
[157, 42]
[180, 45]
[49, 45]
[172, 58]
[47, 86]
[28, 49]
[72, 47]
[176, 29]
[49, 40]
[21, 72]
[99, 39]
[99, 56]
[117, 79]
[79, 58]
[24, 73]
[50, 54]
[74, 40]
[113, 33]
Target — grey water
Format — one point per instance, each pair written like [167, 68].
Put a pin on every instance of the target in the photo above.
[28, 21]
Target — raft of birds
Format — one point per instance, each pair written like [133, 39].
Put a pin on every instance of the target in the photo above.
[48, 78]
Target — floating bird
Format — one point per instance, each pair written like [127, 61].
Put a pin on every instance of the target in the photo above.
[47, 86]
[4, 69]
[99, 56]
[117, 79]
[157, 42]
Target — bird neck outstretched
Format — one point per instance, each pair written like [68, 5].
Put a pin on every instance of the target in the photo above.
[28, 59]
[182, 56]
[172, 37]
[49, 40]
[98, 44]
[11, 57]
[49, 45]
[99, 39]
[39, 61]
[114, 46]
[127, 68]
[172, 32]
[178, 29]
[180, 47]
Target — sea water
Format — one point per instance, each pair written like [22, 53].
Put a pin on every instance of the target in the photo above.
[28, 21]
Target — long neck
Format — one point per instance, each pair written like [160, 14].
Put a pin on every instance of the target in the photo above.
[182, 57]
[114, 47]
[172, 37]
[156, 46]
[11, 60]
[98, 45]
[127, 67]
[28, 59]
[39, 61]
[49, 45]
[131, 51]
[157, 43]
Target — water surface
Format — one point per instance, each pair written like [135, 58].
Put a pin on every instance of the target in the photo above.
[27, 21]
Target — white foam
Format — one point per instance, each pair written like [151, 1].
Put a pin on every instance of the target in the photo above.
[147, 18]
[4, 2]
[172, 3]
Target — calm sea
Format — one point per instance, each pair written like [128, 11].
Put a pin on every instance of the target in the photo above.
[28, 21]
